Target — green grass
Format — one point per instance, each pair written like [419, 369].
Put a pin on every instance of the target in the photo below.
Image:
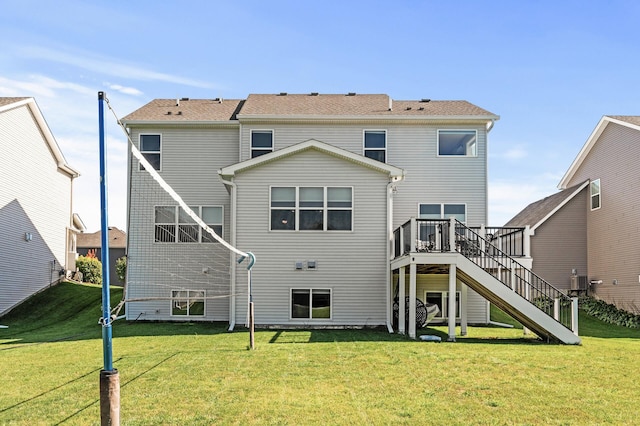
[199, 374]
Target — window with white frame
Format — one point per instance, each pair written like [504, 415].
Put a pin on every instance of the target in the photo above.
[457, 143]
[311, 209]
[261, 142]
[311, 303]
[595, 194]
[150, 149]
[188, 303]
[429, 231]
[441, 298]
[173, 224]
[375, 144]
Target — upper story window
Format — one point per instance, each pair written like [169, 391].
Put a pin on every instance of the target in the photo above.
[150, 149]
[457, 143]
[311, 208]
[595, 194]
[375, 144]
[261, 142]
[173, 224]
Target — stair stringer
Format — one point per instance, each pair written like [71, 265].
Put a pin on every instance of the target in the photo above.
[512, 303]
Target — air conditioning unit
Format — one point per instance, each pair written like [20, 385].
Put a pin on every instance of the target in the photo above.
[579, 282]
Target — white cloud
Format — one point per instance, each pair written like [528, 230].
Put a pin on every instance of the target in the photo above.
[125, 90]
[515, 153]
[506, 199]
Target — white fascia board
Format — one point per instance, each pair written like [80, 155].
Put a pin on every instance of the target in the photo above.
[48, 136]
[184, 122]
[593, 138]
[368, 117]
[395, 173]
[559, 206]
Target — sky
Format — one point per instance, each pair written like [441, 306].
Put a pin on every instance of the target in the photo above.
[550, 69]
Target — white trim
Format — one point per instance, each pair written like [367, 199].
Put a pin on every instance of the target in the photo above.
[559, 206]
[477, 144]
[310, 318]
[204, 301]
[442, 216]
[394, 172]
[593, 138]
[599, 194]
[140, 135]
[365, 149]
[273, 141]
[443, 303]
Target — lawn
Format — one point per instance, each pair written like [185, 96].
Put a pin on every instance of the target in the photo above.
[199, 374]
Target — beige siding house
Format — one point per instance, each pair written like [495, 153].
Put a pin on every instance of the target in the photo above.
[595, 234]
[318, 187]
[37, 227]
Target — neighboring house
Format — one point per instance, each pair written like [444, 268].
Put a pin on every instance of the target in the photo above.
[37, 226]
[314, 185]
[594, 230]
[117, 249]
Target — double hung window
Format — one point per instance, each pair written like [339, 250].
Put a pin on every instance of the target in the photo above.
[595, 194]
[311, 208]
[150, 149]
[261, 142]
[428, 231]
[375, 144]
[311, 303]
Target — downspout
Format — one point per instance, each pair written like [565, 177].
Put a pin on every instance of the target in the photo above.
[390, 187]
[232, 265]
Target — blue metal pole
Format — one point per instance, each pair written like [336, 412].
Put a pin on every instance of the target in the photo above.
[106, 302]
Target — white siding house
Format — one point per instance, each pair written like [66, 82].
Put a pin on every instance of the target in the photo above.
[37, 227]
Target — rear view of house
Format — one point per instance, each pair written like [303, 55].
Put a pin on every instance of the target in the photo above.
[37, 227]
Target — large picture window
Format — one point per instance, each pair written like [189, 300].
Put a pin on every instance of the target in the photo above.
[311, 209]
[311, 303]
[173, 224]
[261, 142]
[150, 149]
[430, 231]
[187, 303]
[457, 143]
[595, 194]
[375, 144]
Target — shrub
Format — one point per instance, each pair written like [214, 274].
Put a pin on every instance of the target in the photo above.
[91, 269]
[609, 313]
[121, 268]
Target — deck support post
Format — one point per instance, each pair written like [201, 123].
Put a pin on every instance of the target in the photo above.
[401, 300]
[574, 315]
[463, 309]
[412, 299]
[451, 306]
[556, 309]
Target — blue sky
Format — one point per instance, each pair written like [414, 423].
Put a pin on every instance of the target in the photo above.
[550, 69]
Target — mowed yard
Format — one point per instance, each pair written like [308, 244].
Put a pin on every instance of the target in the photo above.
[199, 374]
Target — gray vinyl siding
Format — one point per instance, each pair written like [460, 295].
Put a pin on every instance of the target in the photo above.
[413, 147]
[350, 263]
[35, 197]
[614, 229]
[560, 243]
[191, 158]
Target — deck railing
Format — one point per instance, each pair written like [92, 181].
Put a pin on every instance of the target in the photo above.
[493, 249]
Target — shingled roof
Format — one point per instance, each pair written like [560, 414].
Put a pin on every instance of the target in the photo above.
[117, 239]
[9, 101]
[183, 110]
[631, 119]
[313, 105]
[537, 212]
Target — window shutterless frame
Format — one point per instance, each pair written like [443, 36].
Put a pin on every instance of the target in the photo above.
[151, 149]
[261, 142]
[310, 303]
[374, 144]
[457, 143]
[188, 303]
[594, 194]
[173, 225]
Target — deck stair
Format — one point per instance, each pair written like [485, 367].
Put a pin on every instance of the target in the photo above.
[501, 279]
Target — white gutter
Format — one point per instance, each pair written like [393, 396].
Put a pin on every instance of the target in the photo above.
[232, 263]
[490, 125]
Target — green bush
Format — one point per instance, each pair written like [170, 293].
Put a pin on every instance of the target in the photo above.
[91, 269]
[121, 268]
[609, 313]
